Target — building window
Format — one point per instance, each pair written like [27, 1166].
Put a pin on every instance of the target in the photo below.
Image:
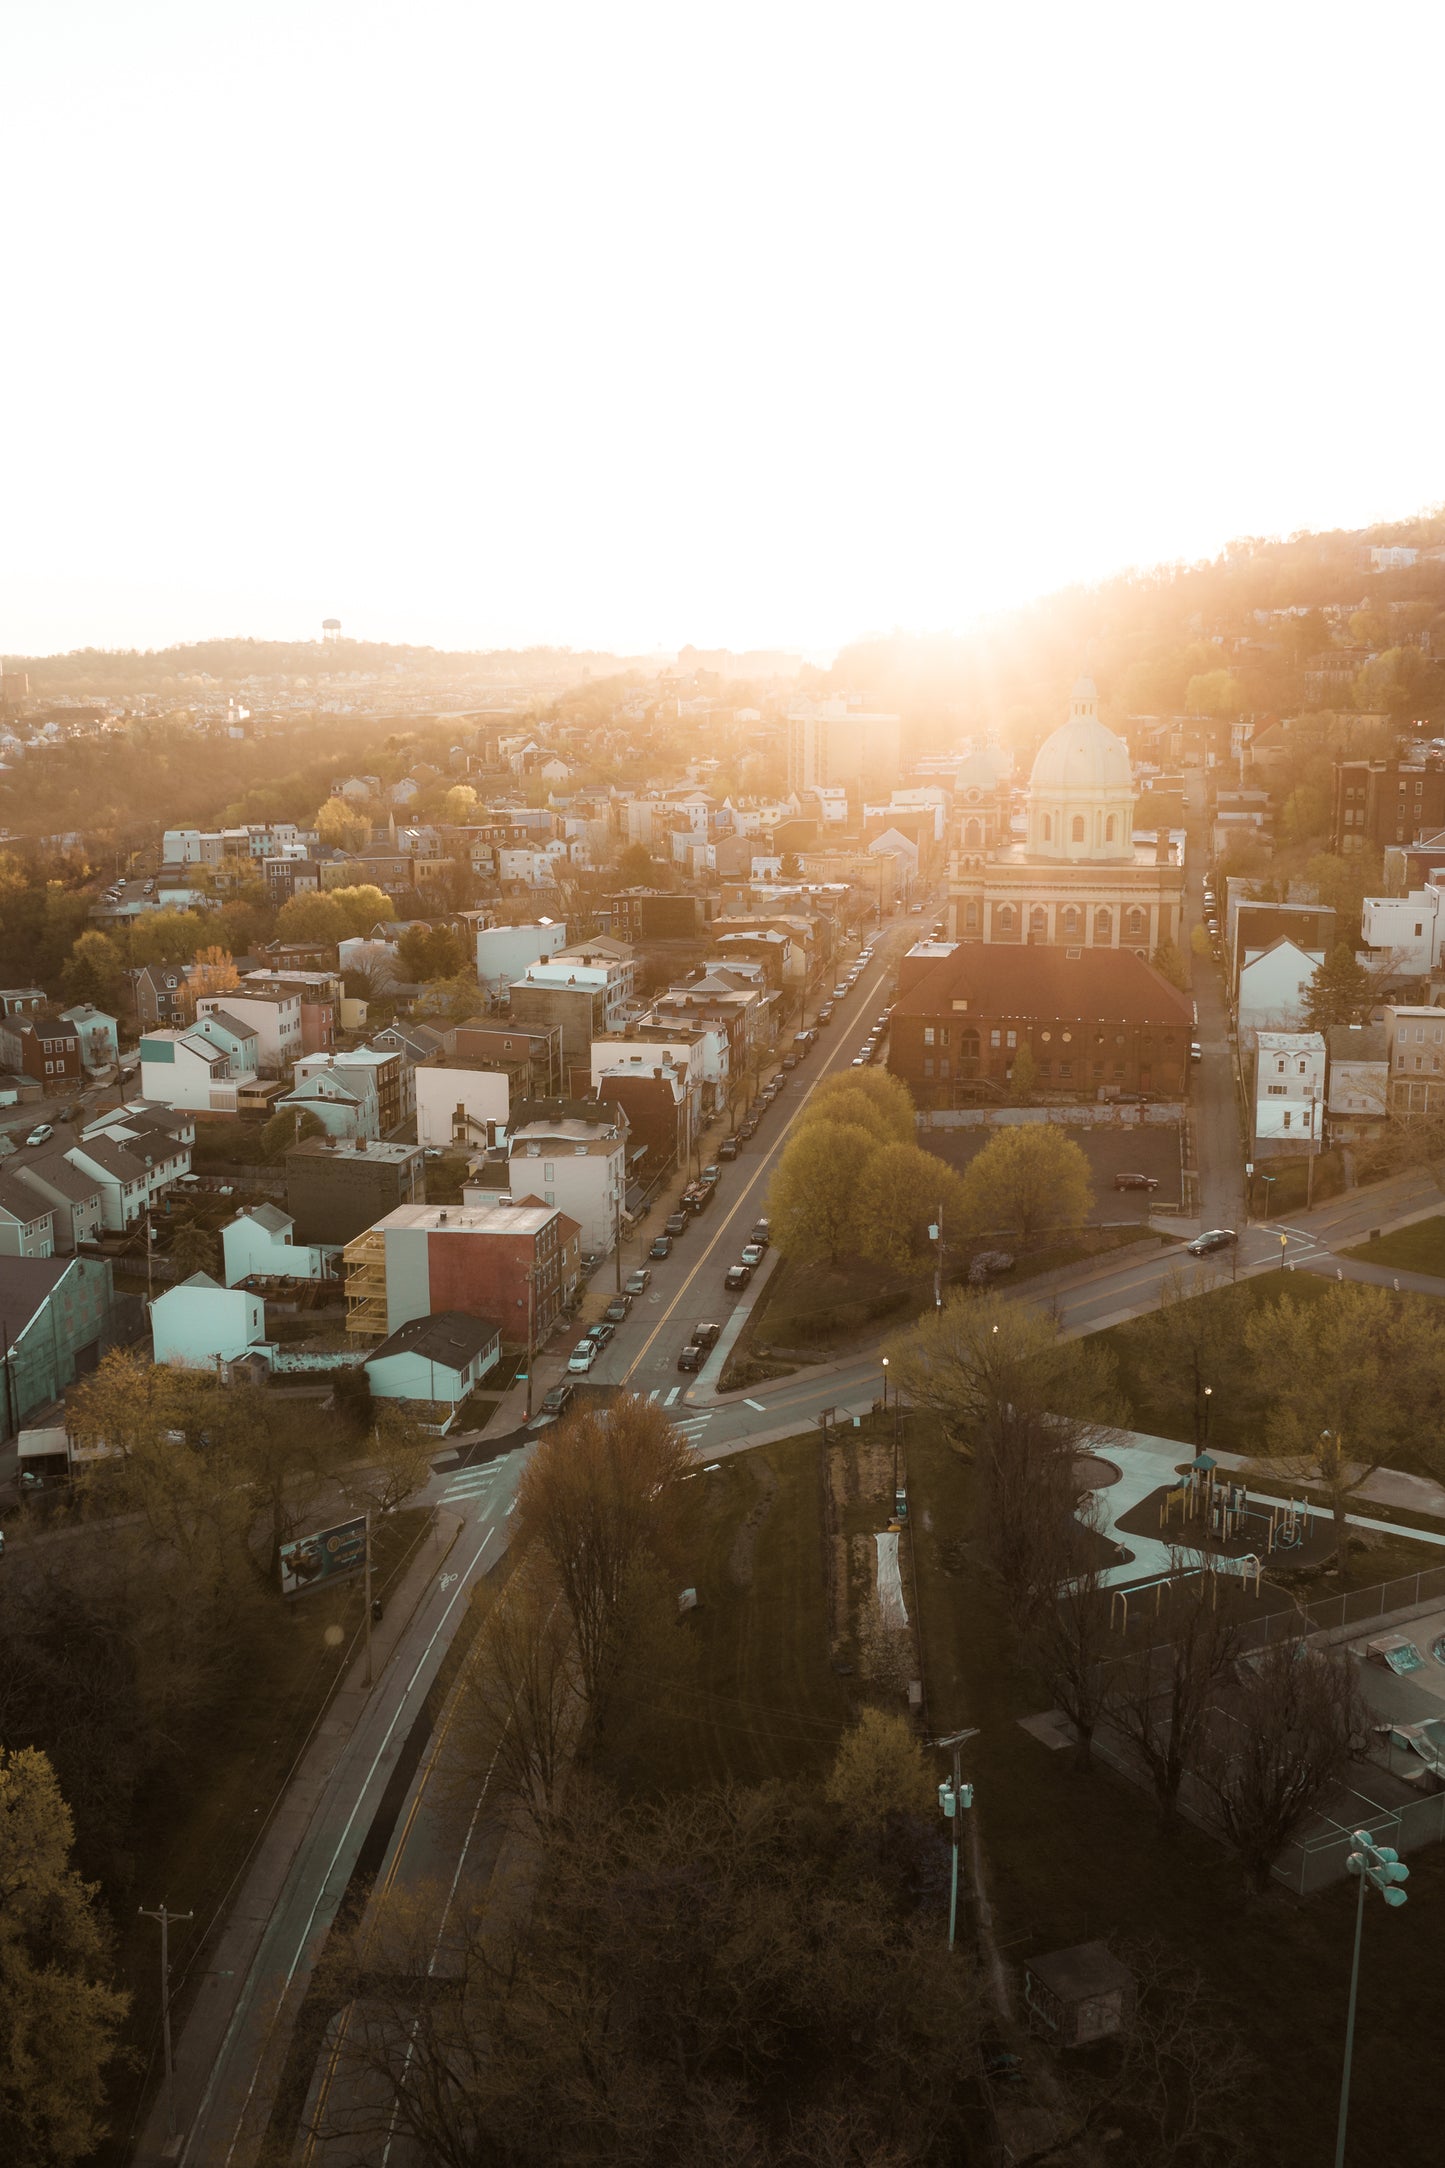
[968, 1045]
[928, 1065]
[1077, 828]
[995, 1040]
[928, 1034]
[1048, 828]
[1005, 917]
[1109, 829]
[1286, 1120]
[1038, 922]
[1011, 1039]
[1072, 919]
[970, 914]
[1103, 925]
[943, 1065]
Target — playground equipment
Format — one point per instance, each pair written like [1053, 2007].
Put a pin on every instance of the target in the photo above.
[1248, 1568]
[1227, 1512]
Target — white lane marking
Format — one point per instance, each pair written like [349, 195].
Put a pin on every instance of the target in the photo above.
[242, 2009]
[755, 1404]
[510, 1510]
[671, 1396]
[656, 1393]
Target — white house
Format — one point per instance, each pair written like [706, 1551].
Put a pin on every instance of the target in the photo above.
[504, 952]
[612, 976]
[1403, 933]
[257, 1244]
[199, 1324]
[1273, 988]
[195, 1069]
[435, 1358]
[454, 1102]
[579, 1166]
[343, 1101]
[273, 1013]
[99, 1034]
[1359, 1080]
[1289, 1092]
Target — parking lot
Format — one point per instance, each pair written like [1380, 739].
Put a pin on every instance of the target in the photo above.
[1150, 1149]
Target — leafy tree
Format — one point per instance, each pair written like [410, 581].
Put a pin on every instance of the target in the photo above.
[1026, 1177]
[453, 1000]
[1188, 1344]
[889, 1093]
[195, 1249]
[635, 867]
[1199, 941]
[1306, 813]
[852, 1110]
[1023, 1075]
[812, 1200]
[213, 972]
[459, 805]
[288, 1127]
[1351, 1382]
[59, 2019]
[167, 938]
[340, 827]
[1213, 692]
[430, 952]
[95, 971]
[1339, 992]
[790, 866]
[879, 1772]
[361, 908]
[1170, 965]
[1342, 884]
[903, 1191]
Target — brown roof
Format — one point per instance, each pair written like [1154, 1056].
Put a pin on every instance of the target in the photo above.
[1099, 986]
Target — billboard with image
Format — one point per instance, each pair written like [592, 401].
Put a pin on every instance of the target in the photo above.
[331, 1554]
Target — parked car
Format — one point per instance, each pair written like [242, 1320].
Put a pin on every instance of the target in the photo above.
[748, 1129]
[737, 1277]
[710, 1177]
[617, 1309]
[706, 1336]
[989, 1265]
[560, 1399]
[691, 1357]
[695, 1198]
[601, 1333]
[1217, 1238]
[825, 1014]
[675, 1224]
[1136, 1181]
[840, 992]
[636, 1282]
[880, 1023]
[859, 1061]
[762, 1232]
[583, 1356]
[790, 1062]
[661, 1246]
[752, 1253]
[42, 1134]
[1196, 1051]
[728, 1149]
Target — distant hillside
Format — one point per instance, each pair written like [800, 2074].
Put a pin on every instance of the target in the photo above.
[233, 661]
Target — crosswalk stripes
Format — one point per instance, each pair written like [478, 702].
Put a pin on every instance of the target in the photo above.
[470, 1483]
[672, 1396]
[656, 1393]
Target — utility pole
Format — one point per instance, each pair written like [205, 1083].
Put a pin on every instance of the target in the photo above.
[531, 1329]
[617, 1221]
[955, 1800]
[936, 1235]
[166, 1918]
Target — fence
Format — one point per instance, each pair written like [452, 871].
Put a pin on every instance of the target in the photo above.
[1107, 1114]
[1359, 1607]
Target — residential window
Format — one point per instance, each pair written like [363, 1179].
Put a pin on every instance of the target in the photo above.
[928, 1036]
[995, 1039]
[1278, 1091]
[943, 1065]
[1011, 1039]
[1076, 828]
[1286, 1120]
[928, 1065]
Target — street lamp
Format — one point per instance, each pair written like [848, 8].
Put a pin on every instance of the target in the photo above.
[1208, 1396]
[885, 1385]
[1383, 1869]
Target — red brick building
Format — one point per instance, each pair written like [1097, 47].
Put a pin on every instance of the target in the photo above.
[1100, 1024]
[514, 1264]
[44, 1047]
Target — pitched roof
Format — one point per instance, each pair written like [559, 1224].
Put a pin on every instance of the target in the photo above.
[21, 1201]
[57, 1173]
[1357, 1042]
[269, 1216]
[25, 1285]
[232, 1024]
[449, 1336]
[996, 979]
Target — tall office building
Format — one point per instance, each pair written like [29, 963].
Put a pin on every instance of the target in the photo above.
[837, 745]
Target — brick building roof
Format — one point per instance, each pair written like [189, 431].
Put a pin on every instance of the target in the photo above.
[997, 979]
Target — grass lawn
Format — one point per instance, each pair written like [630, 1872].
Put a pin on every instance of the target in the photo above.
[195, 1830]
[1290, 1183]
[1072, 1857]
[1420, 1248]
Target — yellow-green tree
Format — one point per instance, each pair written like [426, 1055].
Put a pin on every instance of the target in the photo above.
[1028, 1176]
[879, 1771]
[888, 1093]
[901, 1193]
[167, 938]
[59, 2016]
[341, 827]
[95, 971]
[812, 1200]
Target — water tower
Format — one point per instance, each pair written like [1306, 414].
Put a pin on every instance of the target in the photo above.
[331, 630]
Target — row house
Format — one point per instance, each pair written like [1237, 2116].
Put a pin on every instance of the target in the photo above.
[515, 1264]
[273, 1012]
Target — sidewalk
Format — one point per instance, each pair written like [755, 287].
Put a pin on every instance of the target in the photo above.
[228, 1959]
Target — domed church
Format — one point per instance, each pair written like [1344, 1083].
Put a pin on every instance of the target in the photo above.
[1079, 880]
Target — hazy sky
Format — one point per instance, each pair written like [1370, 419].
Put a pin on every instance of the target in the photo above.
[628, 325]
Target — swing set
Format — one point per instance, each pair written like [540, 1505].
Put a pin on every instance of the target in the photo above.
[1224, 1510]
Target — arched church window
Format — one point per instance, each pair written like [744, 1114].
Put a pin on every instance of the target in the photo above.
[1005, 917]
[970, 913]
[1109, 829]
[1048, 828]
[1038, 922]
[972, 835]
[1103, 925]
[1073, 919]
[1136, 923]
[1078, 828]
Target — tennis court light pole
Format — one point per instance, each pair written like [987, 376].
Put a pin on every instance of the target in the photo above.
[955, 1798]
[1383, 1869]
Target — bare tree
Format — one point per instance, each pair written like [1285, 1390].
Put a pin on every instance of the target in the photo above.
[1184, 2072]
[398, 1464]
[1067, 1632]
[1161, 1696]
[601, 1496]
[1277, 1747]
[520, 1704]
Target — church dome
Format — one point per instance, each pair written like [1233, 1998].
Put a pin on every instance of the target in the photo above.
[984, 769]
[1083, 757]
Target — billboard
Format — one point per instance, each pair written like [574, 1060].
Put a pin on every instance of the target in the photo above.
[328, 1555]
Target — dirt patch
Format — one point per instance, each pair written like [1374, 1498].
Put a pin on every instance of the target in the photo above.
[1092, 1473]
[740, 1558]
